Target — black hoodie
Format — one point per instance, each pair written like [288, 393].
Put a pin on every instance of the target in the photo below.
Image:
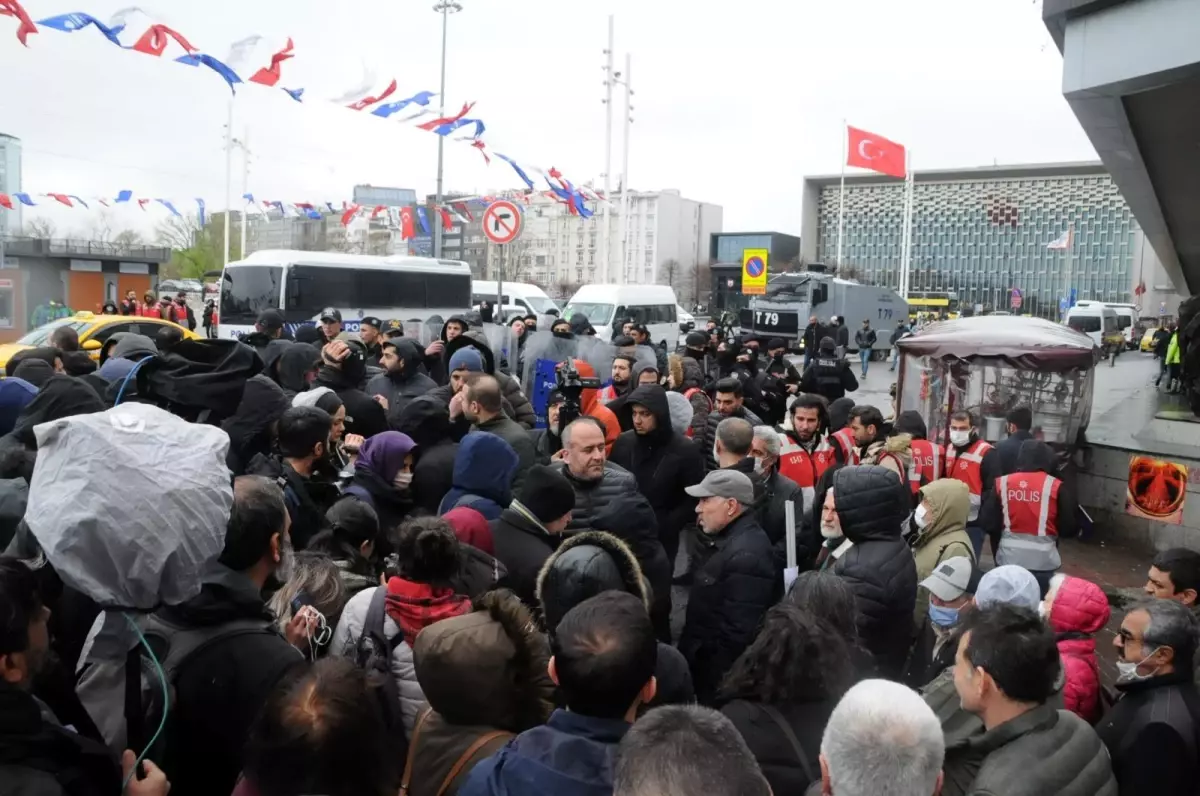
[633, 520]
[294, 365]
[47, 355]
[580, 325]
[364, 415]
[263, 402]
[61, 396]
[663, 462]
[401, 387]
[427, 421]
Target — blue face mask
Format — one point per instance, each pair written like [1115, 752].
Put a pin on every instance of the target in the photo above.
[942, 616]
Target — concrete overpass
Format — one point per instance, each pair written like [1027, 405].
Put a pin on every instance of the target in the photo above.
[1131, 73]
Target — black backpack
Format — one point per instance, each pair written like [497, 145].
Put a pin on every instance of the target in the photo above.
[373, 654]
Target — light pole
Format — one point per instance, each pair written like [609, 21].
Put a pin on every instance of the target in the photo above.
[445, 8]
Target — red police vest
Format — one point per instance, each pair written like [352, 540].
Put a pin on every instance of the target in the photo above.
[968, 468]
[847, 443]
[607, 394]
[927, 461]
[1029, 502]
[802, 467]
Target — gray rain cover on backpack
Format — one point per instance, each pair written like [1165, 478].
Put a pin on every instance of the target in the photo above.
[130, 504]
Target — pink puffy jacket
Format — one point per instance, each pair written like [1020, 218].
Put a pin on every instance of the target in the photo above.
[1079, 606]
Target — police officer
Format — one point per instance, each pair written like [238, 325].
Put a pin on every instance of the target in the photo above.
[829, 375]
[370, 331]
[977, 464]
[1032, 511]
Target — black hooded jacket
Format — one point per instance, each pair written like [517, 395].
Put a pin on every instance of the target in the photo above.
[587, 564]
[364, 415]
[663, 462]
[295, 362]
[580, 325]
[306, 509]
[872, 505]
[734, 584]
[517, 406]
[631, 519]
[61, 396]
[45, 354]
[221, 689]
[263, 402]
[401, 387]
[427, 421]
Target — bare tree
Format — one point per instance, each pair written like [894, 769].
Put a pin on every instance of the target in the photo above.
[702, 284]
[181, 232]
[127, 240]
[669, 271]
[848, 272]
[39, 228]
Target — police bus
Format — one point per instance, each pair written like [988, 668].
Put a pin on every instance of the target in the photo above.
[300, 284]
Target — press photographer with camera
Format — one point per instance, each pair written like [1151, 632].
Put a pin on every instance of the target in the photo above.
[344, 370]
[580, 388]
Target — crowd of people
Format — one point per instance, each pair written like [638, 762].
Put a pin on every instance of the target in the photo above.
[415, 590]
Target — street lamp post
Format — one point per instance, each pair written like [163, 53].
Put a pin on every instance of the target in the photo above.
[445, 8]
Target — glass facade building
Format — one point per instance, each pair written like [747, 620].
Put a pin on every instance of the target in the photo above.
[10, 183]
[981, 233]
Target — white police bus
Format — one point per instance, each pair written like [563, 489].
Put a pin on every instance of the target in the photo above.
[300, 284]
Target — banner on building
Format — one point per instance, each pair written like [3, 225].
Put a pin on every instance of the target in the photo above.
[754, 272]
[1157, 489]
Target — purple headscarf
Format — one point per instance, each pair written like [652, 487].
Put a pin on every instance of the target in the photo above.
[383, 454]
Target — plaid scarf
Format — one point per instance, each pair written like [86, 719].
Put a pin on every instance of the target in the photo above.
[416, 606]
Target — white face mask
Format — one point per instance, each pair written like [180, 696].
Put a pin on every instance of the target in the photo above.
[921, 517]
[959, 438]
[1127, 670]
[758, 465]
[402, 480]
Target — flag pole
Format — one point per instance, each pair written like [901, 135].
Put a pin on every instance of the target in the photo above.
[842, 196]
[906, 238]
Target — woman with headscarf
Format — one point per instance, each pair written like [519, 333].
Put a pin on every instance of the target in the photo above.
[353, 542]
[383, 477]
[341, 450]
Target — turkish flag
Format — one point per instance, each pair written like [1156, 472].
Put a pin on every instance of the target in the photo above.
[874, 152]
[407, 230]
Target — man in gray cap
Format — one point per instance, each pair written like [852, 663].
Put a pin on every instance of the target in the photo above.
[1009, 585]
[735, 579]
[951, 587]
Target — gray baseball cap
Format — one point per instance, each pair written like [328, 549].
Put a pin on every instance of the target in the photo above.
[725, 484]
[1009, 585]
[953, 578]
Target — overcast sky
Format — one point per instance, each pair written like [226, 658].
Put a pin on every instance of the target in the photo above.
[734, 103]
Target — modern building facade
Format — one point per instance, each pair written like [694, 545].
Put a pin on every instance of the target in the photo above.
[10, 183]
[979, 234]
[725, 256]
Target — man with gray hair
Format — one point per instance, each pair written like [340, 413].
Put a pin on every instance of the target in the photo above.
[682, 750]
[881, 740]
[596, 480]
[1151, 731]
[777, 489]
[732, 442]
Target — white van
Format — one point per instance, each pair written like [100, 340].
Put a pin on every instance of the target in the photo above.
[653, 305]
[521, 295]
[1093, 318]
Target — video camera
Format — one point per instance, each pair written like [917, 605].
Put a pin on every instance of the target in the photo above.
[571, 385]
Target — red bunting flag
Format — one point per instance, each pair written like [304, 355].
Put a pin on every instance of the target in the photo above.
[462, 208]
[378, 209]
[447, 222]
[142, 203]
[154, 41]
[480, 146]
[874, 152]
[436, 123]
[269, 75]
[349, 215]
[12, 8]
[368, 101]
[555, 173]
[6, 201]
[61, 198]
[407, 229]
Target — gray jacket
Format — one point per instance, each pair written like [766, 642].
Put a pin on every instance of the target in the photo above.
[591, 497]
[1044, 752]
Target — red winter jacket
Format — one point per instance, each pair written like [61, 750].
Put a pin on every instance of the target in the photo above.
[1078, 610]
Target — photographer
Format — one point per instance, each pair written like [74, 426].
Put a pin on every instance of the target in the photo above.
[343, 370]
[580, 388]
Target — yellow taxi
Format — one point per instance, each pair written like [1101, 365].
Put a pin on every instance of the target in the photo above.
[93, 331]
[1147, 343]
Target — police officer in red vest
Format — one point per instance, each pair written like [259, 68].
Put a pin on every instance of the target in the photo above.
[929, 458]
[806, 452]
[976, 463]
[1033, 509]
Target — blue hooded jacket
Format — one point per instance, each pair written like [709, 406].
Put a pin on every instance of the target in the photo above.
[569, 754]
[483, 474]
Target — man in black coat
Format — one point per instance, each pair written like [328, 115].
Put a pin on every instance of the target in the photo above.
[402, 379]
[596, 480]
[735, 580]
[631, 519]
[663, 462]
[867, 506]
[527, 532]
[427, 421]
[343, 370]
[1151, 731]
[482, 406]
[1019, 422]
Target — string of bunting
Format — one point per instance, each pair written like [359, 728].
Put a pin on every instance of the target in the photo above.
[406, 219]
[259, 60]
